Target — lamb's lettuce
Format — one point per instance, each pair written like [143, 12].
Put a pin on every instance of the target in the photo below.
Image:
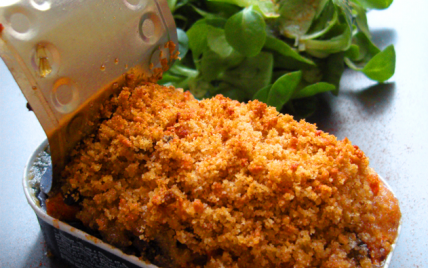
[281, 52]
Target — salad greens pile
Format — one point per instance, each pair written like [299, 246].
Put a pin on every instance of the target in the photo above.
[281, 52]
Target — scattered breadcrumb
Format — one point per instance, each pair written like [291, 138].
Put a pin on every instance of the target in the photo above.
[218, 183]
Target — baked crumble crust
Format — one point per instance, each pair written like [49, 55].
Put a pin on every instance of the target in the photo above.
[218, 183]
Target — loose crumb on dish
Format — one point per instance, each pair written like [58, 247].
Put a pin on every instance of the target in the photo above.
[218, 183]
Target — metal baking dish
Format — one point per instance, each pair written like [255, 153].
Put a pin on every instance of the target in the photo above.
[82, 250]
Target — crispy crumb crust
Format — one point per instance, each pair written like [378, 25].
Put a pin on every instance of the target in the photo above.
[218, 183]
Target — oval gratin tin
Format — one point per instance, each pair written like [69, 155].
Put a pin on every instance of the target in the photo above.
[81, 250]
[72, 245]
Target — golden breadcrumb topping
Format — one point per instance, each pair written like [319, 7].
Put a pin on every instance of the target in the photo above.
[218, 183]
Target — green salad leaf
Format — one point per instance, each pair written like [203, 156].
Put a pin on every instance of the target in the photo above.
[277, 45]
[313, 89]
[281, 52]
[245, 31]
[263, 94]
[296, 16]
[197, 36]
[283, 89]
[321, 48]
[364, 56]
[374, 4]
[183, 42]
[217, 42]
[333, 70]
[323, 23]
[382, 66]
[250, 75]
[266, 7]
